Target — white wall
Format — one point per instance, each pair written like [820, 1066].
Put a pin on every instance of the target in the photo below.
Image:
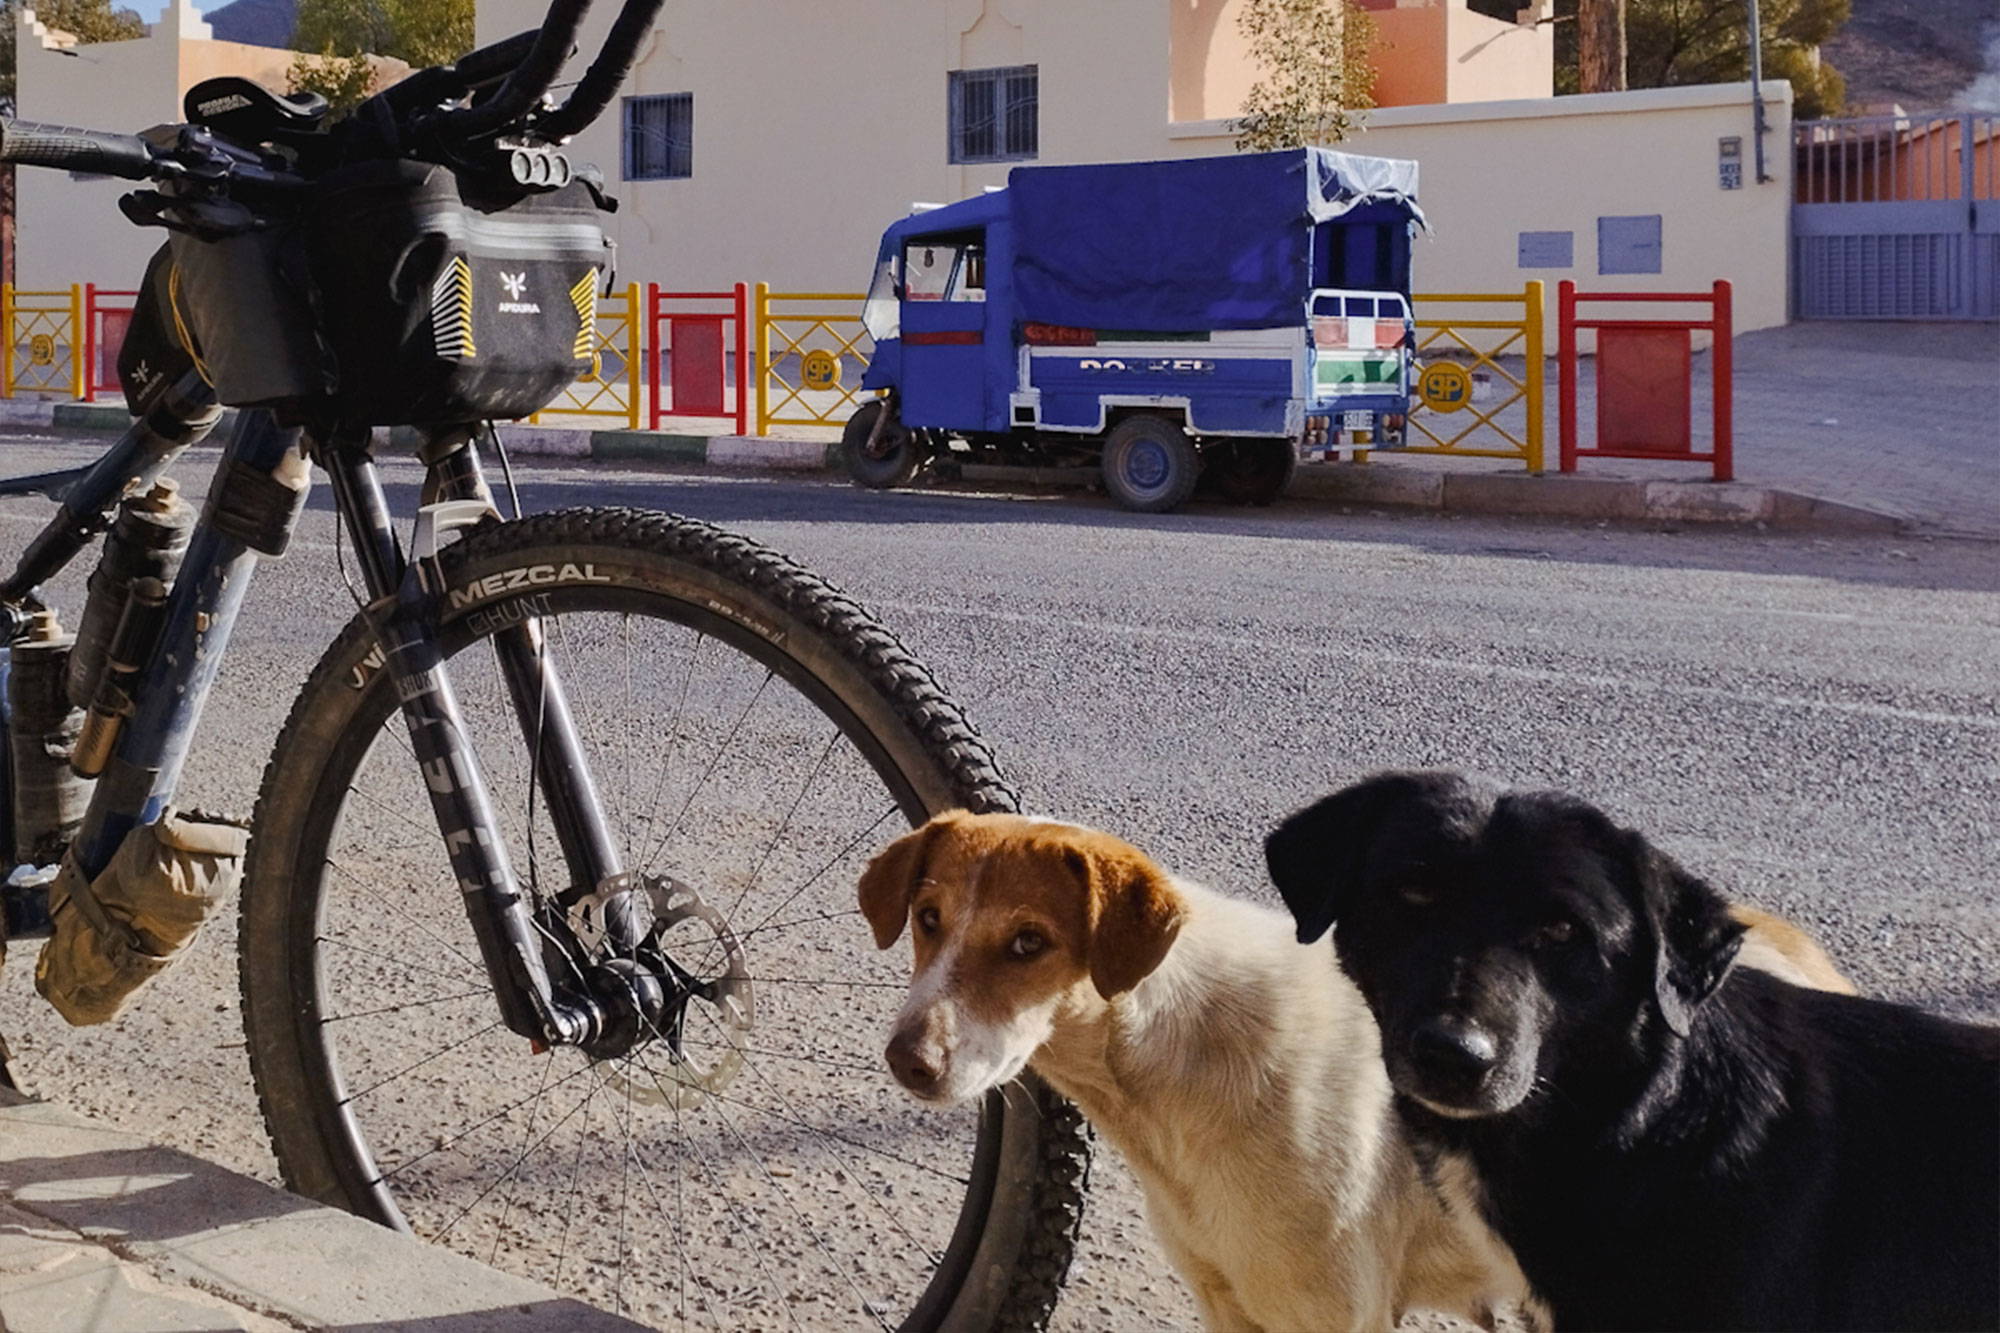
[813, 130]
[68, 229]
[1492, 170]
[814, 127]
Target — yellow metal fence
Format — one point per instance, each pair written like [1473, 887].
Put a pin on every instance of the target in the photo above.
[1502, 360]
[811, 352]
[609, 386]
[42, 329]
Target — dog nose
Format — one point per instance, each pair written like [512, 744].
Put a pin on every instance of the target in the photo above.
[916, 1062]
[1454, 1048]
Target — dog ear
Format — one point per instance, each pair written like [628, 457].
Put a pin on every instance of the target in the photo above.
[891, 879]
[1135, 914]
[1696, 937]
[1317, 856]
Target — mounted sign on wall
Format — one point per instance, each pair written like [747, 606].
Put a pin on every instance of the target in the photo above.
[1729, 161]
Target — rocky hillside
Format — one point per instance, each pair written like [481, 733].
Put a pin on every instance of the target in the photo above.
[1921, 54]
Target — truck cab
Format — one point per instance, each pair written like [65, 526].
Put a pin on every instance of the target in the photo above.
[1166, 322]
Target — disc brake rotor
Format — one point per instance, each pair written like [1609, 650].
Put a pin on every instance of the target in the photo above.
[703, 1036]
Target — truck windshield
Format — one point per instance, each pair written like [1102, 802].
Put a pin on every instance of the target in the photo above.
[881, 313]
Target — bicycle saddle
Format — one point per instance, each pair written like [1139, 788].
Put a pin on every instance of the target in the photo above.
[237, 108]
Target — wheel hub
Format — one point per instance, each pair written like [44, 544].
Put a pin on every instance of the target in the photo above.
[1146, 465]
[680, 1004]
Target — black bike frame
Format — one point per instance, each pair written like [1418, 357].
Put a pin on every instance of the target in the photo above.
[403, 595]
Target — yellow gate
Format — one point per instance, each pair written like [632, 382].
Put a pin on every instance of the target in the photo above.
[809, 360]
[41, 330]
[609, 386]
[1468, 402]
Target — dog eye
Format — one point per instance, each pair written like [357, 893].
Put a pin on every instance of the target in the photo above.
[1553, 935]
[927, 919]
[1027, 944]
[1416, 895]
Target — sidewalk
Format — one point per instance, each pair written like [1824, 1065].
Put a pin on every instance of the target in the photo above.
[1861, 427]
[102, 1232]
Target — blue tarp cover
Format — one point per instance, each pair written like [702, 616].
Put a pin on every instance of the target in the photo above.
[1202, 243]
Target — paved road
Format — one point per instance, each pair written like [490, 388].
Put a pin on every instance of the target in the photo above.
[1812, 724]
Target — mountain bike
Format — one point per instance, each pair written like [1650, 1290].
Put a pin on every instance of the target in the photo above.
[548, 941]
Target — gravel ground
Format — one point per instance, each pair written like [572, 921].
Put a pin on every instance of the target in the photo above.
[1809, 723]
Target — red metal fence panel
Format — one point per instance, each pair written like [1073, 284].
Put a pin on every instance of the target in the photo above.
[698, 359]
[106, 316]
[1645, 380]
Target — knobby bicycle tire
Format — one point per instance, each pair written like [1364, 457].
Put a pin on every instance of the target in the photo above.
[1011, 1245]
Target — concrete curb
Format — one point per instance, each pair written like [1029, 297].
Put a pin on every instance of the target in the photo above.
[104, 1203]
[1377, 483]
[1556, 495]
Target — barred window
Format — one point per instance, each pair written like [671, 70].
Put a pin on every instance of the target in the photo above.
[993, 116]
[659, 137]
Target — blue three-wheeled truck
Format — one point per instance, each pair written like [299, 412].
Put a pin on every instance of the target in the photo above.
[1211, 320]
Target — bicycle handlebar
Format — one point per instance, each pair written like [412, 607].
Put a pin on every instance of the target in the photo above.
[600, 83]
[525, 83]
[96, 151]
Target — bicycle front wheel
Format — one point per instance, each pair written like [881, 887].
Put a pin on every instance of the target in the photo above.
[755, 736]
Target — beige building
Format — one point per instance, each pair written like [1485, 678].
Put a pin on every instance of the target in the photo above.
[773, 139]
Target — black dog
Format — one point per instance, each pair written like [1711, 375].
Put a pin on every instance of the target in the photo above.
[1667, 1143]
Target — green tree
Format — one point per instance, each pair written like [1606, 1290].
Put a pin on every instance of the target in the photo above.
[1671, 42]
[1316, 75]
[336, 37]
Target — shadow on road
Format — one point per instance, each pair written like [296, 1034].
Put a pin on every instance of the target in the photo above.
[751, 499]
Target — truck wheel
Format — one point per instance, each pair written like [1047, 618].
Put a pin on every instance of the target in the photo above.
[894, 460]
[1251, 472]
[1150, 465]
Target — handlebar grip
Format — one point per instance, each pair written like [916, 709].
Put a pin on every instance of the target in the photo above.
[72, 149]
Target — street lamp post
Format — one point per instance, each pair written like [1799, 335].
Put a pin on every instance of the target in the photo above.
[1757, 88]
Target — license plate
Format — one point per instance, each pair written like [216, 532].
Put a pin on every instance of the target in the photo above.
[1357, 420]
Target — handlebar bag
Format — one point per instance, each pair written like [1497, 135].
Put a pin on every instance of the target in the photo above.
[441, 302]
[152, 353]
[241, 308]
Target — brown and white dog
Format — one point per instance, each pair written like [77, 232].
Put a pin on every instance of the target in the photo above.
[1236, 1070]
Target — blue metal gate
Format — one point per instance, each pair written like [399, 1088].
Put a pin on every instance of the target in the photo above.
[1897, 217]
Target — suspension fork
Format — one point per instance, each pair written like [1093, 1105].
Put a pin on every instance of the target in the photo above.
[562, 770]
[501, 914]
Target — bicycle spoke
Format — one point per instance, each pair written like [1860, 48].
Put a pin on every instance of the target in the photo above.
[387, 902]
[401, 1005]
[667, 754]
[819, 1241]
[841, 1168]
[757, 871]
[476, 1126]
[720, 750]
[728, 1202]
[406, 1069]
[814, 878]
[428, 974]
